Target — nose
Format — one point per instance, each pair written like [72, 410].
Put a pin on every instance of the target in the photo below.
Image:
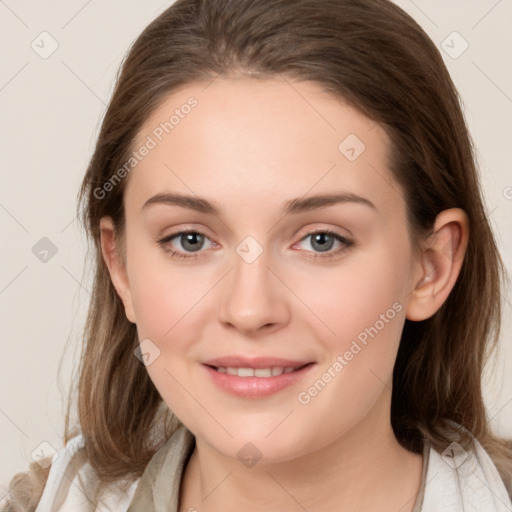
[254, 298]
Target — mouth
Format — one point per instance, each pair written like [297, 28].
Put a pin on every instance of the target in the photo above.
[271, 371]
[257, 380]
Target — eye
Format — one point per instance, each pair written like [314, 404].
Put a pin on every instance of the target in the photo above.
[323, 241]
[190, 241]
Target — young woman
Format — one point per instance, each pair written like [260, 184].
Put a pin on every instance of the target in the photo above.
[296, 283]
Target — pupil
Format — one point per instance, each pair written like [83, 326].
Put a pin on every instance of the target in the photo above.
[191, 241]
[319, 238]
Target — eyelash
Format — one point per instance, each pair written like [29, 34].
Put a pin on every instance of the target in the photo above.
[331, 254]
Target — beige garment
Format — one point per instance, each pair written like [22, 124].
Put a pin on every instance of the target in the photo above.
[159, 486]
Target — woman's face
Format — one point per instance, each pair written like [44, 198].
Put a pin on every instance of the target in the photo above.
[257, 161]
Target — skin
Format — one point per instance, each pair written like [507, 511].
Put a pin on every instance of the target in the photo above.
[249, 146]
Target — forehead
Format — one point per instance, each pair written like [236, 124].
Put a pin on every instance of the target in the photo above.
[246, 138]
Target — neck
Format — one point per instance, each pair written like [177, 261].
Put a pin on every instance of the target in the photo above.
[364, 469]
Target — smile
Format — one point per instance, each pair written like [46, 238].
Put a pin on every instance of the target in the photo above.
[252, 383]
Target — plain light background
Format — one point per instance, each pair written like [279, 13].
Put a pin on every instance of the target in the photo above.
[51, 109]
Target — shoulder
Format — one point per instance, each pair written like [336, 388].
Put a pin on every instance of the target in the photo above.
[72, 484]
[464, 480]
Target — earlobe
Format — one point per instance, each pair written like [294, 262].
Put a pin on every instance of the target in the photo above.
[441, 262]
[115, 265]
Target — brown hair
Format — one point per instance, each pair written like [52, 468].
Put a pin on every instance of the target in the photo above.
[379, 60]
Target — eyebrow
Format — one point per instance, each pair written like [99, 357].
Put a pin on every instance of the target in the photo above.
[292, 206]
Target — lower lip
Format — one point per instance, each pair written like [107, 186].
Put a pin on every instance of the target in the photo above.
[255, 387]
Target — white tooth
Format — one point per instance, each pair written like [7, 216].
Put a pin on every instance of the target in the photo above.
[245, 372]
[258, 372]
[263, 372]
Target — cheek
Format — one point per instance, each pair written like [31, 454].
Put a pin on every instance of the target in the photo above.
[163, 293]
[169, 302]
[363, 306]
[364, 291]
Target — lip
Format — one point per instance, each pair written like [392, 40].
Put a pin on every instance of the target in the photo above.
[256, 387]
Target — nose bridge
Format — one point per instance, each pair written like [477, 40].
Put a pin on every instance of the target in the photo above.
[253, 297]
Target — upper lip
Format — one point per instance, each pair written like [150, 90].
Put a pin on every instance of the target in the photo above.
[254, 362]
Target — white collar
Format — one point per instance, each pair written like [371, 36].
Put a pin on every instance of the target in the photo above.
[460, 481]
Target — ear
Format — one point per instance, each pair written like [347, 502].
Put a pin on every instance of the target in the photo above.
[116, 267]
[441, 261]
